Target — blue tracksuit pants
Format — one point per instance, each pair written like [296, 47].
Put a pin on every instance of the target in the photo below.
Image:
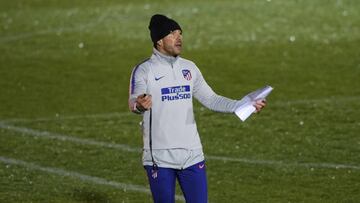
[192, 181]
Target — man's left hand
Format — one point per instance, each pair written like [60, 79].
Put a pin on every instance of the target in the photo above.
[259, 105]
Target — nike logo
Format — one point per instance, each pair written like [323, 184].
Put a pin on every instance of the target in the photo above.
[201, 166]
[158, 78]
[154, 174]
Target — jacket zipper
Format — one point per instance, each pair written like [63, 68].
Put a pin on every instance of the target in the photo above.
[172, 67]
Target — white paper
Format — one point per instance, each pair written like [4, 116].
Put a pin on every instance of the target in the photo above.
[246, 105]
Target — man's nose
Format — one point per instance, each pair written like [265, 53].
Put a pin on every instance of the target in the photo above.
[179, 36]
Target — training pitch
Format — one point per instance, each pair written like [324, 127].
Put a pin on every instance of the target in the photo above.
[66, 134]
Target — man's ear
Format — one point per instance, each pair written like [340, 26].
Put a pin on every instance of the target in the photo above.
[159, 43]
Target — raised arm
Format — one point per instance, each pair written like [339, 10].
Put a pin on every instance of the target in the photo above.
[138, 101]
[206, 96]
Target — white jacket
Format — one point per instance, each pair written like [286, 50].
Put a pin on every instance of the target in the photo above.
[173, 82]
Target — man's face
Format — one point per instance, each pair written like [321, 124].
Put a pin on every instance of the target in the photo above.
[171, 44]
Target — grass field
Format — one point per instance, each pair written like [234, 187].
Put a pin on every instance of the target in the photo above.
[66, 134]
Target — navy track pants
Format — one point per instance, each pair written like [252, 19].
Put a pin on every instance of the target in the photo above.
[192, 181]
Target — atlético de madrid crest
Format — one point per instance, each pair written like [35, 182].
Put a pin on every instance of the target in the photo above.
[187, 74]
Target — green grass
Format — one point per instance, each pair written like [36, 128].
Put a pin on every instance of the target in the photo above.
[307, 50]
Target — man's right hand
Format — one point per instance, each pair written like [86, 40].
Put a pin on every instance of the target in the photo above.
[143, 102]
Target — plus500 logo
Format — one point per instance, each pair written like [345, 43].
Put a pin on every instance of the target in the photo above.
[175, 93]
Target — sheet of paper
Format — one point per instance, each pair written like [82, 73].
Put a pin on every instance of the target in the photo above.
[244, 112]
[246, 107]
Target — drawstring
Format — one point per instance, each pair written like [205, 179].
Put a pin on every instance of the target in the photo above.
[155, 166]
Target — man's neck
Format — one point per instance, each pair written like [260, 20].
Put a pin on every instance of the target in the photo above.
[169, 59]
[162, 51]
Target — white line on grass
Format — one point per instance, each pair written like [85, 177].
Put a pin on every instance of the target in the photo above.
[316, 101]
[71, 117]
[57, 136]
[48, 135]
[50, 31]
[86, 178]
[122, 114]
[281, 163]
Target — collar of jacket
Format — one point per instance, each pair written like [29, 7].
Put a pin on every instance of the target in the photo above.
[165, 58]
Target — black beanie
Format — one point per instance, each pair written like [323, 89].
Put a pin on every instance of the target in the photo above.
[160, 26]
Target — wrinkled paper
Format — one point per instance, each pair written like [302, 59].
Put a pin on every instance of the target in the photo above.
[246, 105]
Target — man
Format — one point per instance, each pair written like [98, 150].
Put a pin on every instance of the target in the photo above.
[162, 88]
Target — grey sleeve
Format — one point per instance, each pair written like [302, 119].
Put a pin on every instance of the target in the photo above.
[206, 96]
[137, 86]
